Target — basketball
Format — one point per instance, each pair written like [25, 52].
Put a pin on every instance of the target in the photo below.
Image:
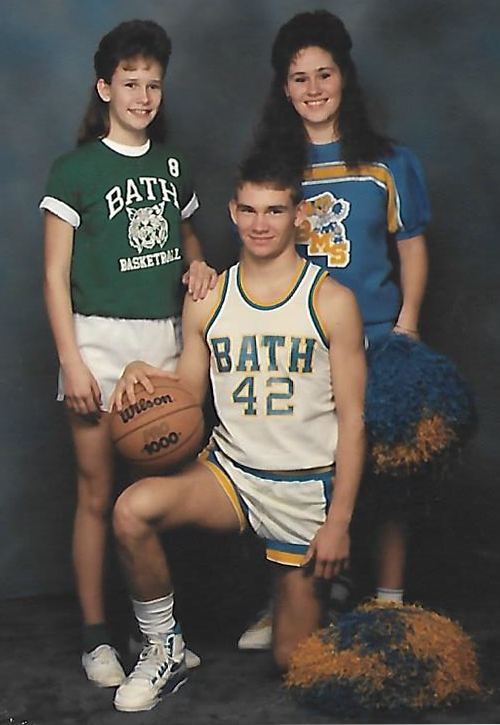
[160, 430]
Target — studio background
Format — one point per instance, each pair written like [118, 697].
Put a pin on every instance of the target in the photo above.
[431, 71]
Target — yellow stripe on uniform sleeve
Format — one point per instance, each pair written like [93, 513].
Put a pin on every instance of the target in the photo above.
[379, 173]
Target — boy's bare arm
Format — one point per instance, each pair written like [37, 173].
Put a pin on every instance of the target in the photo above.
[340, 316]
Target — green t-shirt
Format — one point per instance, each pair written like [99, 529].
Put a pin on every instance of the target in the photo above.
[127, 211]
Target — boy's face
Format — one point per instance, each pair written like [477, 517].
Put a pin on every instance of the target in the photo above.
[134, 96]
[266, 219]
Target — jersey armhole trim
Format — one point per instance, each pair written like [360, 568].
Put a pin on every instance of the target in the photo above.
[221, 296]
[313, 306]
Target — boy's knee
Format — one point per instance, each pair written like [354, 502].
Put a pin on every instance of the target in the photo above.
[127, 521]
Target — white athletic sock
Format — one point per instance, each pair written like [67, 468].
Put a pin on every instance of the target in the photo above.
[389, 595]
[155, 616]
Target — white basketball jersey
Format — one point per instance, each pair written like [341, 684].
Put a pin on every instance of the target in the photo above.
[270, 373]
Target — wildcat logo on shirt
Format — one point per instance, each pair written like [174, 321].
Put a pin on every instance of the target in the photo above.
[323, 230]
[147, 227]
[148, 230]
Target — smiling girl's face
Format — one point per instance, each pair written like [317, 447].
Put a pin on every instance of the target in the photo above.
[134, 96]
[314, 87]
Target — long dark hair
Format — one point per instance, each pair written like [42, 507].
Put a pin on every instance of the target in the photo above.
[281, 127]
[132, 39]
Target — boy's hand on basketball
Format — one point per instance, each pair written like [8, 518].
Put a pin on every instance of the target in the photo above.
[199, 278]
[82, 394]
[328, 552]
[136, 372]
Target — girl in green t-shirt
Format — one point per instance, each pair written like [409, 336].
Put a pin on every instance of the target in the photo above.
[118, 244]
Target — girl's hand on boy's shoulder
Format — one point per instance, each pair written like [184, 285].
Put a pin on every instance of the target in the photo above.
[136, 372]
[199, 279]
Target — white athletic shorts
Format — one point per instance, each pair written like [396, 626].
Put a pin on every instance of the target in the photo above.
[286, 510]
[107, 344]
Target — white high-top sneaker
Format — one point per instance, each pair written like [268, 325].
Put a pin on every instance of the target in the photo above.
[136, 644]
[160, 669]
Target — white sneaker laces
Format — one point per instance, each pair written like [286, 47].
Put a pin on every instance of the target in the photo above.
[151, 659]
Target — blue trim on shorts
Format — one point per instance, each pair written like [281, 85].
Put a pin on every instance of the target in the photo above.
[328, 490]
[324, 476]
[283, 546]
[295, 551]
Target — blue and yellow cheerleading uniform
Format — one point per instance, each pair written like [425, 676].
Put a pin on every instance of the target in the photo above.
[273, 451]
[352, 214]
[418, 408]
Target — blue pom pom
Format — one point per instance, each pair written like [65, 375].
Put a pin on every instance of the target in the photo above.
[419, 408]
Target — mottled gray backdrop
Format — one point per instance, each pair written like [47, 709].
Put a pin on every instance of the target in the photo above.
[431, 70]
